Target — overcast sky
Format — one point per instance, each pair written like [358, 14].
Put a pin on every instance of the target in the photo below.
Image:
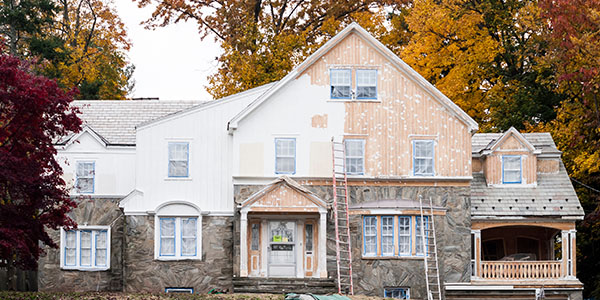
[172, 63]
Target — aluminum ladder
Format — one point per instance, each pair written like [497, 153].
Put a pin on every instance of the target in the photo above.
[430, 259]
[343, 245]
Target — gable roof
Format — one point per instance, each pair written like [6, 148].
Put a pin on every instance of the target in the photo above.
[541, 141]
[289, 182]
[115, 121]
[511, 132]
[399, 63]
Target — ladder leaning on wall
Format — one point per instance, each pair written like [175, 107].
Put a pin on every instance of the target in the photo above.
[343, 245]
[430, 259]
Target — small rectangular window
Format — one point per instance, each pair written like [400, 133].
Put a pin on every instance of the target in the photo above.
[309, 237]
[167, 236]
[179, 159]
[404, 235]
[188, 236]
[255, 234]
[341, 83]
[285, 156]
[85, 174]
[179, 290]
[511, 169]
[355, 156]
[370, 235]
[366, 84]
[387, 236]
[423, 156]
[396, 293]
[419, 234]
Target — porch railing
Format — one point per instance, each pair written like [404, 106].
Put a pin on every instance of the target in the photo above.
[508, 270]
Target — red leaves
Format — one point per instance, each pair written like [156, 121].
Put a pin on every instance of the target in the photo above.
[34, 111]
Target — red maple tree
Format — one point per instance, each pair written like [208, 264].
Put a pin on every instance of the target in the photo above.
[34, 112]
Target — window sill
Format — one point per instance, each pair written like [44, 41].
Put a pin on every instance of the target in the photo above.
[178, 258]
[178, 179]
[354, 100]
[84, 269]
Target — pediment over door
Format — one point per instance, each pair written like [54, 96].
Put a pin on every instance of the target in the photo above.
[284, 195]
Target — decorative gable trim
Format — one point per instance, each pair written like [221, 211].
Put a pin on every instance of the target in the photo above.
[401, 65]
[287, 182]
[86, 129]
[510, 132]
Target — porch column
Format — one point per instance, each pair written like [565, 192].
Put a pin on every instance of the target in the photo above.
[244, 244]
[477, 253]
[565, 241]
[322, 269]
[572, 255]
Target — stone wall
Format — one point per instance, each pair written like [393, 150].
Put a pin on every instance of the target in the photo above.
[90, 211]
[144, 273]
[372, 275]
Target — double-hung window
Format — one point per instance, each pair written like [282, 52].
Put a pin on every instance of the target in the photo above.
[87, 248]
[285, 156]
[423, 158]
[341, 83]
[404, 236]
[394, 236]
[396, 293]
[355, 156]
[84, 177]
[178, 237]
[179, 159]
[370, 236]
[366, 84]
[419, 234]
[511, 169]
[387, 236]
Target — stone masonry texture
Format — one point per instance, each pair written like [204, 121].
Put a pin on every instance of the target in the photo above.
[145, 274]
[90, 211]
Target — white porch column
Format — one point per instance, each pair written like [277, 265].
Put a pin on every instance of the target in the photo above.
[572, 255]
[476, 259]
[322, 268]
[565, 241]
[244, 244]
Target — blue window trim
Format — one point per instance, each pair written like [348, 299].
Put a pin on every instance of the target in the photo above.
[93, 177]
[195, 234]
[362, 172]
[409, 236]
[187, 170]
[401, 290]
[393, 237]
[179, 289]
[91, 248]
[96, 248]
[330, 92]
[419, 241]
[295, 152]
[376, 84]
[65, 248]
[174, 237]
[432, 159]
[520, 169]
[364, 236]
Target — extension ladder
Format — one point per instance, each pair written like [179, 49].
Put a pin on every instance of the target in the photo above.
[343, 246]
[430, 259]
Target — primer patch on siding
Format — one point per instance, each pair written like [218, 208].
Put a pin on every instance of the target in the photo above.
[252, 159]
[512, 143]
[319, 121]
[320, 159]
[547, 165]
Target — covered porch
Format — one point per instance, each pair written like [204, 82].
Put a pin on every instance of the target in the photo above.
[523, 252]
[283, 232]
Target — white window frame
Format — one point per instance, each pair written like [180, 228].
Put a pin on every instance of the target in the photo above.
[179, 290]
[520, 169]
[187, 160]
[416, 157]
[392, 235]
[392, 290]
[349, 157]
[279, 155]
[77, 177]
[413, 235]
[331, 85]
[358, 71]
[178, 238]
[403, 235]
[95, 230]
[374, 227]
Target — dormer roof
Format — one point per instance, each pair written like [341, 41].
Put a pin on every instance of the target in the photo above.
[541, 142]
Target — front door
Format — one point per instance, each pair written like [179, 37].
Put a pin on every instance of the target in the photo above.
[281, 254]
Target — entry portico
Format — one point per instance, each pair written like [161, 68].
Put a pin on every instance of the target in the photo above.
[283, 232]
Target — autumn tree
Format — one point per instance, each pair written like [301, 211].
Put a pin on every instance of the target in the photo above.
[22, 21]
[34, 111]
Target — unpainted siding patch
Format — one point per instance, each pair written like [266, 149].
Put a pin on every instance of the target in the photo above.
[319, 121]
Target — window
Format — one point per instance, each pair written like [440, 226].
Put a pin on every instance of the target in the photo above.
[511, 169]
[387, 236]
[179, 159]
[87, 248]
[285, 156]
[309, 237]
[423, 158]
[366, 84]
[355, 156]
[84, 177]
[398, 293]
[178, 237]
[341, 83]
[255, 234]
[179, 290]
[408, 241]
[370, 234]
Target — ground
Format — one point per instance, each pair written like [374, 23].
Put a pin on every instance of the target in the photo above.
[142, 296]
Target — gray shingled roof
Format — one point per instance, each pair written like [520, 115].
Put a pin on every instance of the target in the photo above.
[540, 140]
[553, 196]
[115, 120]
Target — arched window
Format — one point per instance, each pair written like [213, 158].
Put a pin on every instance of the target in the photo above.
[178, 231]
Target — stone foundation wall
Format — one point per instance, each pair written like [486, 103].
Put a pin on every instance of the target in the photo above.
[90, 211]
[144, 273]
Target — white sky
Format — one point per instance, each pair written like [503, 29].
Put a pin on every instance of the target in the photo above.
[172, 63]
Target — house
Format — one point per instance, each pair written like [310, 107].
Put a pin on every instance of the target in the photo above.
[237, 193]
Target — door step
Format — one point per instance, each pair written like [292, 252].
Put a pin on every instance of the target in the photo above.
[283, 285]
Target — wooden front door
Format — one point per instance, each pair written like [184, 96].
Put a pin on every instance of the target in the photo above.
[254, 246]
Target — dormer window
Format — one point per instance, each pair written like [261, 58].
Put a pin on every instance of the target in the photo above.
[511, 169]
[366, 84]
[341, 83]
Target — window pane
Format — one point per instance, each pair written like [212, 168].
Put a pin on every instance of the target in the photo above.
[387, 235]
[309, 237]
[419, 236]
[70, 257]
[101, 240]
[340, 91]
[285, 165]
[71, 238]
[178, 168]
[188, 246]
[167, 246]
[188, 227]
[366, 92]
[86, 239]
[101, 257]
[512, 163]
[512, 176]
[404, 235]
[167, 227]
[86, 257]
[370, 235]
[255, 234]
